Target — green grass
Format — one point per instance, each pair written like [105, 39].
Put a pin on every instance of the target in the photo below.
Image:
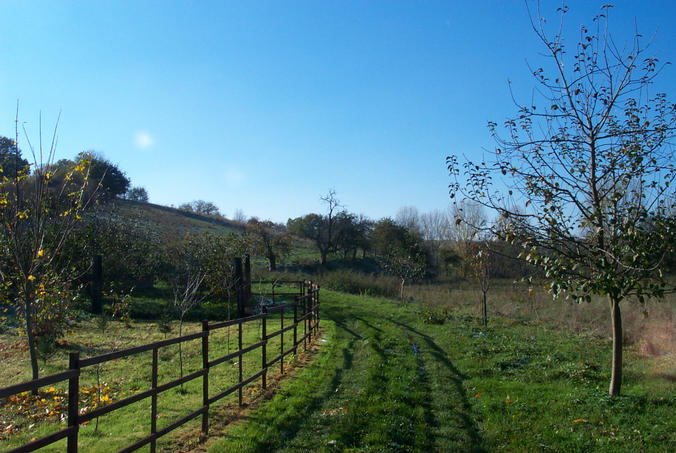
[386, 381]
[124, 377]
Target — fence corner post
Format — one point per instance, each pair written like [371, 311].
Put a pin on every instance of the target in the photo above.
[295, 325]
[264, 348]
[73, 400]
[205, 377]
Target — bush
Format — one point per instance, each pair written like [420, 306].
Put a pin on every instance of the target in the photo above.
[360, 283]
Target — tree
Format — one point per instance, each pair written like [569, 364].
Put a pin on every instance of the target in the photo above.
[112, 181]
[319, 228]
[352, 233]
[273, 239]
[409, 218]
[469, 220]
[200, 207]
[592, 169]
[186, 272]
[11, 161]
[400, 252]
[38, 215]
[480, 261]
[435, 226]
[239, 216]
[137, 194]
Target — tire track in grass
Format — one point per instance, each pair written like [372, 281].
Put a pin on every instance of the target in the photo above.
[382, 396]
[452, 421]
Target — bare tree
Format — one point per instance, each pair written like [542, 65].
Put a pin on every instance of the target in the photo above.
[435, 226]
[409, 218]
[239, 215]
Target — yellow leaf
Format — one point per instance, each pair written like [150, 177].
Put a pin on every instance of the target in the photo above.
[31, 278]
[41, 252]
[508, 400]
[579, 420]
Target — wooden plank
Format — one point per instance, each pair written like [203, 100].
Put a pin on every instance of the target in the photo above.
[37, 383]
[163, 431]
[44, 441]
[139, 396]
[136, 350]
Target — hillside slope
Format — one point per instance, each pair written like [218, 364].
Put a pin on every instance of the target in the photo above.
[171, 220]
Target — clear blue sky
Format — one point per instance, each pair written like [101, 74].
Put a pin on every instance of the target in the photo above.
[264, 106]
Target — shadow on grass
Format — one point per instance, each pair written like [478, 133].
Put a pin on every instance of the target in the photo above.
[288, 425]
[465, 409]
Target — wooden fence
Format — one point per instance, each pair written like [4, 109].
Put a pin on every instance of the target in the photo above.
[308, 303]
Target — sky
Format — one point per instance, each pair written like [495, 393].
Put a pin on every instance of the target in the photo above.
[266, 106]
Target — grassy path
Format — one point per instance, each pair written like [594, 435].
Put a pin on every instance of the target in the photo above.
[379, 384]
[385, 381]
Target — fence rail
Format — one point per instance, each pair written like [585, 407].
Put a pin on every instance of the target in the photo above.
[307, 299]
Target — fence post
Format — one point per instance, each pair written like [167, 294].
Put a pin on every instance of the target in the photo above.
[205, 377]
[247, 277]
[281, 341]
[295, 325]
[97, 285]
[303, 299]
[239, 287]
[309, 301]
[264, 348]
[241, 356]
[73, 400]
[153, 402]
[318, 307]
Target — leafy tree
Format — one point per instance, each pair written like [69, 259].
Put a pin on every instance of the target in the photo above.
[319, 228]
[11, 161]
[131, 251]
[112, 181]
[352, 233]
[137, 194]
[593, 169]
[200, 207]
[400, 252]
[273, 239]
[37, 216]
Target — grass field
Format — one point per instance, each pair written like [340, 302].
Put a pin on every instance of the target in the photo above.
[383, 378]
[386, 381]
[26, 417]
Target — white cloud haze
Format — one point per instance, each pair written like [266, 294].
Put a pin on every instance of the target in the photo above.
[143, 140]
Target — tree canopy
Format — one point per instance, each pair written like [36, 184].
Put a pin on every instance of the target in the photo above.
[11, 160]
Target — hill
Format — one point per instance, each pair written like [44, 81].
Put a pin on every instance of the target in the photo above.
[173, 221]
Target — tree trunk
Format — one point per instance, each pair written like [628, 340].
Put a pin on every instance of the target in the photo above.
[272, 263]
[401, 289]
[616, 374]
[484, 310]
[32, 346]
[323, 259]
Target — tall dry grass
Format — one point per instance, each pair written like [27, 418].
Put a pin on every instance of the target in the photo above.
[650, 326]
